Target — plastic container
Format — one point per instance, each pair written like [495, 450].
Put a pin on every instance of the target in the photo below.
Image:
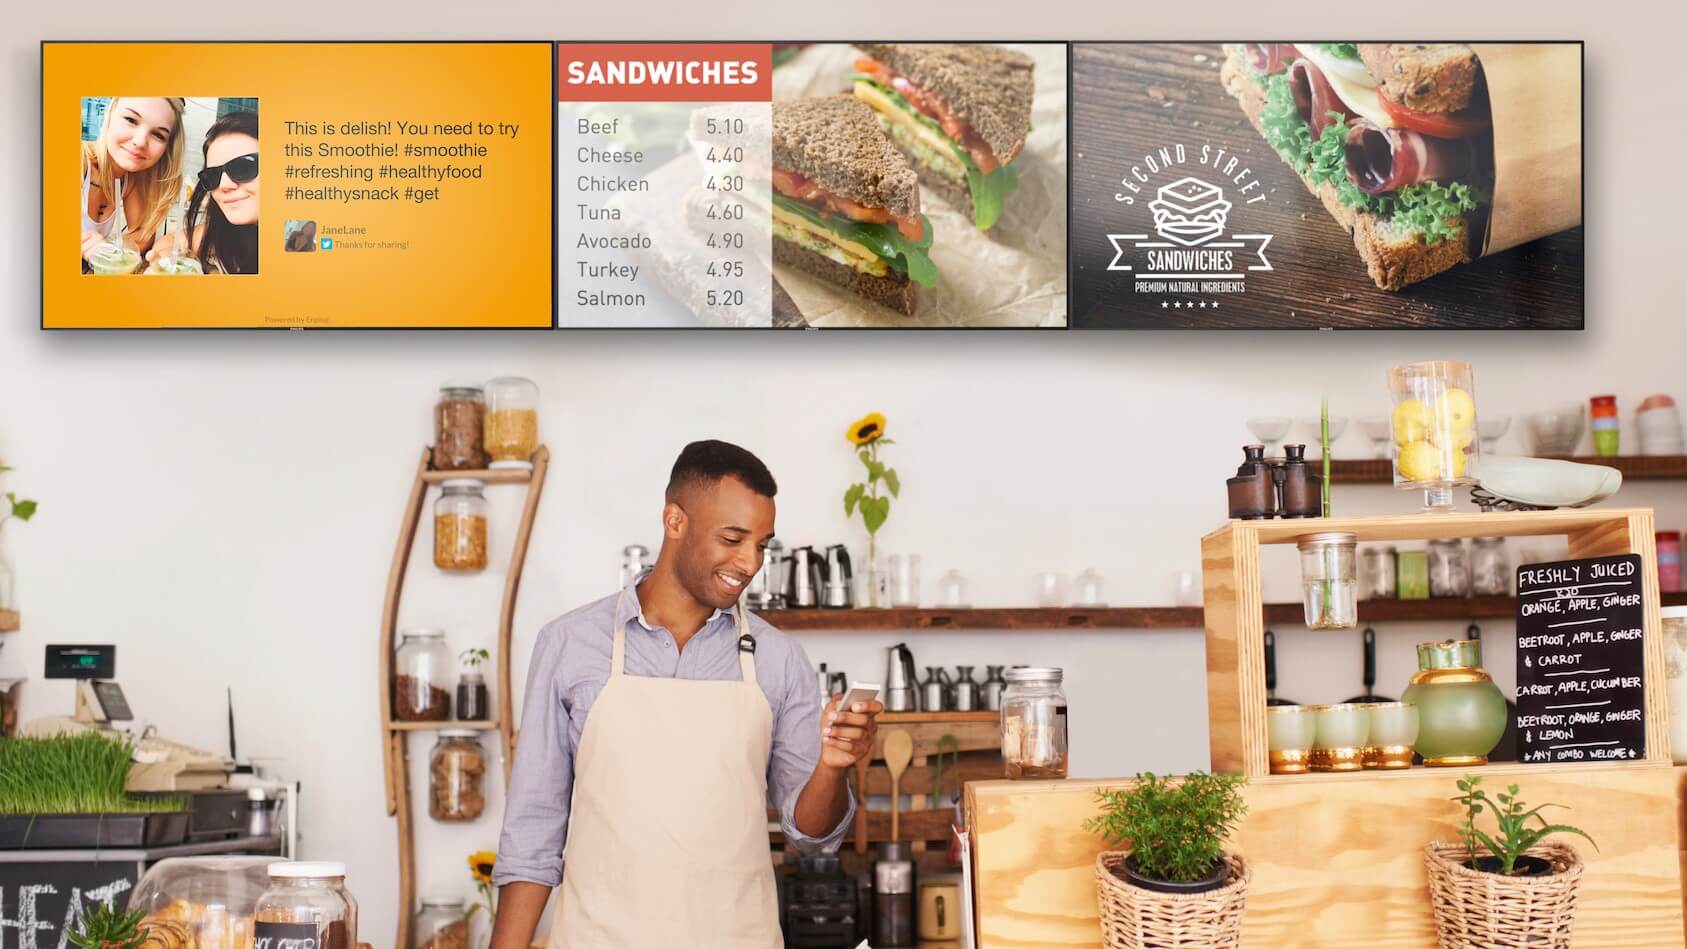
[459, 418]
[457, 776]
[512, 421]
[1377, 573]
[1602, 409]
[305, 901]
[1490, 567]
[1434, 426]
[1449, 568]
[204, 902]
[421, 677]
[459, 525]
[1675, 672]
[1034, 723]
[440, 924]
[1329, 579]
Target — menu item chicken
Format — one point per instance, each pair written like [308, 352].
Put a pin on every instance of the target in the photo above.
[1394, 138]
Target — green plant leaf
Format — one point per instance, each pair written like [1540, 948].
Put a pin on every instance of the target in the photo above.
[1567, 829]
[873, 513]
[875, 470]
[851, 497]
[23, 510]
[893, 482]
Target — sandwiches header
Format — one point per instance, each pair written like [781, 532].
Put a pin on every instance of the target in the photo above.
[664, 72]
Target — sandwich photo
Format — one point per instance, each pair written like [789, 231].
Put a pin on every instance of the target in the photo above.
[1394, 138]
[961, 112]
[846, 202]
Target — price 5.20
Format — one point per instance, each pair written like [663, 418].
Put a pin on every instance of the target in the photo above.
[726, 298]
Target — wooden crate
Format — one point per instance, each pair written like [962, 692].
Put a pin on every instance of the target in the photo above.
[1338, 858]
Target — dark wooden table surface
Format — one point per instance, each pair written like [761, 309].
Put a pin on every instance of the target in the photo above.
[1130, 99]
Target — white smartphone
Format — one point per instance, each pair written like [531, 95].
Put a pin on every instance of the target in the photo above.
[862, 692]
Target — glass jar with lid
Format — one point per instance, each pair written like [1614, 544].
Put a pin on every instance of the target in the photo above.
[459, 428]
[305, 905]
[1377, 573]
[421, 677]
[1490, 569]
[1329, 578]
[459, 525]
[1034, 726]
[456, 776]
[512, 421]
[441, 923]
[1449, 567]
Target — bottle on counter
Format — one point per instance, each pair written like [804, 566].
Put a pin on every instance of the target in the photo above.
[1034, 723]
[893, 895]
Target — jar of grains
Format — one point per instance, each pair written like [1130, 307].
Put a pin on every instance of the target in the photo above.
[512, 421]
[456, 773]
[458, 428]
[459, 525]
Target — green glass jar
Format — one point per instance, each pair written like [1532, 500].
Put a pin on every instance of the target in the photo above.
[1461, 712]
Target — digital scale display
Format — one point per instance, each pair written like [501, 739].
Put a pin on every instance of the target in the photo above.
[82, 661]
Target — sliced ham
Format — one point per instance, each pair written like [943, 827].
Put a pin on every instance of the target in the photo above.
[1381, 160]
[1315, 98]
[1270, 58]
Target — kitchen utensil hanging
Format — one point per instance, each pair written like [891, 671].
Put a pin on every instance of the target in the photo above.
[1369, 676]
[1271, 671]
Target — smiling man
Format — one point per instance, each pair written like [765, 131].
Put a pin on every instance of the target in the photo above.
[656, 721]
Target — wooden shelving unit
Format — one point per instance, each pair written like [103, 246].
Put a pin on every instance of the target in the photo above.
[1633, 467]
[395, 734]
[1337, 859]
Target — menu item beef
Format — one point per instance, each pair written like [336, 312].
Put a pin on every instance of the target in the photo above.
[959, 111]
[1393, 138]
[846, 203]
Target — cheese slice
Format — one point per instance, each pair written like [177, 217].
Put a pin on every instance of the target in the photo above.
[885, 106]
[1360, 99]
[803, 225]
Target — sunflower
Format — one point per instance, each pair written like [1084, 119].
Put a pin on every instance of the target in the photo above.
[480, 864]
[870, 428]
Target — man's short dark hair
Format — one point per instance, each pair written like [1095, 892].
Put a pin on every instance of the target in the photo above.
[706, 462]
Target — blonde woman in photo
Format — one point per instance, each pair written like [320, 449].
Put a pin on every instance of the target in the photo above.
[140, 146]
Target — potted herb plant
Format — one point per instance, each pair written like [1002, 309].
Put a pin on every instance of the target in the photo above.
[106, 927]
[1175, 885]
[1509, 888]
[68, 791]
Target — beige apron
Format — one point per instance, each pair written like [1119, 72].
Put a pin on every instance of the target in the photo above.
[667, 835]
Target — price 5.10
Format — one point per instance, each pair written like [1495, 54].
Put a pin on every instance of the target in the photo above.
[727, 126]
[726, 268]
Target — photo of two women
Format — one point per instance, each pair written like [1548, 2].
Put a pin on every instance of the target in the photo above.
[169, 185]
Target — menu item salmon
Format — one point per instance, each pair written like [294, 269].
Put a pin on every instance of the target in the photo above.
[846, 203]
[959, 111]
[1394, 138]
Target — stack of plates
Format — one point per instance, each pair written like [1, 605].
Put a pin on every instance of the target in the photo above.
[1659, 425]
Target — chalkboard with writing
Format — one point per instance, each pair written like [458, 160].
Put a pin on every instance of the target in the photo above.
[1580, 660]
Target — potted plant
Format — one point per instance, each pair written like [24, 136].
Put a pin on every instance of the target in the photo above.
[1175, 885]
[68, 791]
[104, 926]
[1510, 888]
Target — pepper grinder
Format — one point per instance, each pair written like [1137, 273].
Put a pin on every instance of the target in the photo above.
[893, 895]
[1301, 489]
[1253, 492]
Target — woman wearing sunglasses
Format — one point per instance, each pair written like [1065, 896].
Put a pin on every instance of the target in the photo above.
[138, 154]
[222, 215]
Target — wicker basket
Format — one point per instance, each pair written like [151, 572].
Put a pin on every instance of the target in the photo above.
[1132, 917]
[1499, 912]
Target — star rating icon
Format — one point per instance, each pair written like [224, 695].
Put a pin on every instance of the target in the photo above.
[1187, 304]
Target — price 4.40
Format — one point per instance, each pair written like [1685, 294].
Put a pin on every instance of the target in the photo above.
[732, 154]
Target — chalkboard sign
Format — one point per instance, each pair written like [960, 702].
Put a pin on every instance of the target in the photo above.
[40, 902]
[1580, 660]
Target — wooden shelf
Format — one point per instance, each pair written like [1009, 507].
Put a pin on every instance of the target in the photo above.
[1633, 467]
[500, 476]
[1142, 617]
[441, 726]
[1138, 617]
[9, 621]
[949, 718]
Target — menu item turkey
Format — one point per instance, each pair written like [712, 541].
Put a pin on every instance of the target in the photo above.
[1394, 138]
[846, 203]
[959, 111]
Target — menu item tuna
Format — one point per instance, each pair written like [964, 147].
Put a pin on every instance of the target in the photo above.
[959, 111]
[1394, 138]
[846, 203]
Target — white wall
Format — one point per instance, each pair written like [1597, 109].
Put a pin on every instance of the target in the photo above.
[223, 506]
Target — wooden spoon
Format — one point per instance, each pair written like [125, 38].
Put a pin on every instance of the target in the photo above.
[898, 752]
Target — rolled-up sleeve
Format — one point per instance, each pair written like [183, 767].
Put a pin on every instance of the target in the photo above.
[542, 779]
[796, 752]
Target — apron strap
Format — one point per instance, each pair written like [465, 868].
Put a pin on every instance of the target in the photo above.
[746, 648]
[619, 650]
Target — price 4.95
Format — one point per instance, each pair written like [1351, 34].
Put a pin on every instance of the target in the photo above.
[726, 268]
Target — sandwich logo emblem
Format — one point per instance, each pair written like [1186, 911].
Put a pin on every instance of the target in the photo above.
[1192, 249]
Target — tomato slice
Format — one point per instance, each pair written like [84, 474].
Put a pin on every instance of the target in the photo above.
[793, 185]
[1461, 124]
[933, 107]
